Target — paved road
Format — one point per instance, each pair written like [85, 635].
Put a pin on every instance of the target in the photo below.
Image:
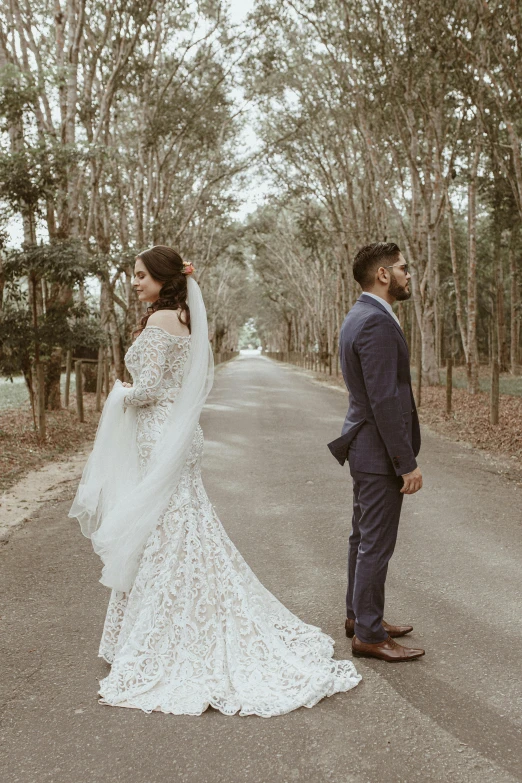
[453, 716]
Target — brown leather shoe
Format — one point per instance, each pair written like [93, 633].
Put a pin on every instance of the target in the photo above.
[388, 650]
[391, 630]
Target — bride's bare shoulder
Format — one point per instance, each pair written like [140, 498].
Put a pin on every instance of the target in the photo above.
[169, 321]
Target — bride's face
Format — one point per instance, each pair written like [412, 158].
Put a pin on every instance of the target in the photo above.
[146, 287]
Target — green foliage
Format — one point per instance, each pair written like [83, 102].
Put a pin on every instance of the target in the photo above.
[17, 95]
[26, 178]
[66, 327]
[64, 324]
[16, 341]
[69, 327]
[63, 263]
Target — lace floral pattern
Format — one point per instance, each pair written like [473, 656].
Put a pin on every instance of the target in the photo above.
[198, 628]
[155, 361]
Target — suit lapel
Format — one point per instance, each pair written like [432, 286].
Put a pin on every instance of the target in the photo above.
[375, 303]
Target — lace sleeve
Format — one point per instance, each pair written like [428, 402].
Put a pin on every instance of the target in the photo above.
[154, 346]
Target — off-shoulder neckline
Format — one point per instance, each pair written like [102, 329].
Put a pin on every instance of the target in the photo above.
[175, 336]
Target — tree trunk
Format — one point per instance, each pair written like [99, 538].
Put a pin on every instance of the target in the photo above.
[68, 370]
[439, 319]
[59, 297]
[110, 326]
[515, 322]
[449, 385]
[2, 283]
[420, 353]
[53, 371]
[456, 281]
[430, 370]
[501, 312]
[473, 360]
[40, 385]
[495, 392]
[78, 374]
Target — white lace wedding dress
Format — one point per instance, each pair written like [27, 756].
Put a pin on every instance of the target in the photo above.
[198, 628]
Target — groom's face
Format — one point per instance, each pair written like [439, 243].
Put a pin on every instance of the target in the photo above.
[399, 280]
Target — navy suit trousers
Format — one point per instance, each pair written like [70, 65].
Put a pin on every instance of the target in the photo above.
[377, 503]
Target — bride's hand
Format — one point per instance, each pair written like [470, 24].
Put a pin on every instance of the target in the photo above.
[128, 385]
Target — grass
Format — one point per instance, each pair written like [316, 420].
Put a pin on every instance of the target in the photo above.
[509, 384]
[14, 394]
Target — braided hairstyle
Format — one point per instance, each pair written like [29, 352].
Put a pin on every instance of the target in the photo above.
[166, 266]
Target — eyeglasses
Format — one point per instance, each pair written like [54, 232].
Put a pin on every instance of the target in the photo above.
[405, 268]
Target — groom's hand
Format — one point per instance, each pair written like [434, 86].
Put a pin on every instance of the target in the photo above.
[412, 482]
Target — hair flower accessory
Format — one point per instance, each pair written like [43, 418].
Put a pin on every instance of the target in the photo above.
[188, 269]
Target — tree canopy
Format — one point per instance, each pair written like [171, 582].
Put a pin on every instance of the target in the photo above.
[124, 125]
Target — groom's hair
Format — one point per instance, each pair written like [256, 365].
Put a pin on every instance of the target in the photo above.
[370, 257]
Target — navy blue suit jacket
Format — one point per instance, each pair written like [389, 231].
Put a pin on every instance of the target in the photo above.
[382, 424]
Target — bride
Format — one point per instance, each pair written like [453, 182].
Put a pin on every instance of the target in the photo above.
[188, 624]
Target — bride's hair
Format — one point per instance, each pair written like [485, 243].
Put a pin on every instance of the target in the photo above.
[166, 266]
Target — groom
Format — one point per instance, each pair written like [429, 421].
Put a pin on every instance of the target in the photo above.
[380, 439]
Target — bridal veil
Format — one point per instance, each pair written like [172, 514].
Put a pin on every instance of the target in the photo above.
[117, 507]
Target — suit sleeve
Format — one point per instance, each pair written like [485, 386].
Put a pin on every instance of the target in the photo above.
[377, 347]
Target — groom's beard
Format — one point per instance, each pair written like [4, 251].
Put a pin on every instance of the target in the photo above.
[400, 292]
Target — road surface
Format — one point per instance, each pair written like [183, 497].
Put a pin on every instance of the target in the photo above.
[454, 715]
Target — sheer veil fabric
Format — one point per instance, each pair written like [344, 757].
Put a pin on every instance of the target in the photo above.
[117, 508]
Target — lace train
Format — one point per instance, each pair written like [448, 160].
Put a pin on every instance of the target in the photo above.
[199, 629]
